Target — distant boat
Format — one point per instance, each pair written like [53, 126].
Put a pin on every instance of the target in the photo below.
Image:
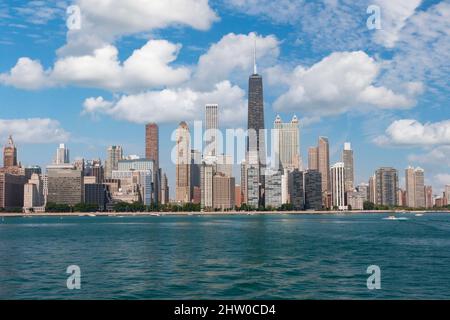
[155, 214]
[419, 214]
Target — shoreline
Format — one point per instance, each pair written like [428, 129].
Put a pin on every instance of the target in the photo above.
[229, 213]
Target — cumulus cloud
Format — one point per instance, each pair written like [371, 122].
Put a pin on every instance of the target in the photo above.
[409, 132]
[105, 21]
[172, 105]
[341, 82]
[26, 74]
[147, 67]
[34, 130]
[233, 56]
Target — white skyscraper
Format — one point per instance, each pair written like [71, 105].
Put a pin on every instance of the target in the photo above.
[62, 155]
[338, 186]
[211, 129]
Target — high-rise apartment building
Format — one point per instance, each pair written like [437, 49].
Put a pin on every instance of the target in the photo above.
[196, 163]
[347, 159]
[152, 143]
[11, 190]
[415, 187]
[114, 154]
[338, 186]
[273, 189]
[286, 144]
[313, 158]
[386, 186]
[183, 164]
[206, 180]
[313, 190]
[164, 189]
[223, 192]
[211, 129]
[253, 187]
[244, 181]
[428, 197]
[324, 162]
[297, 190]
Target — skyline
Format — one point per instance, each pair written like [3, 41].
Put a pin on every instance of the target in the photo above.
[379, 131]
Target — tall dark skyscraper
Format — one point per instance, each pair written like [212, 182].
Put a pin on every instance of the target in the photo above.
[256, 139]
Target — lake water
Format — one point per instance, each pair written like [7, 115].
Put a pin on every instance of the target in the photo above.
[226, 257]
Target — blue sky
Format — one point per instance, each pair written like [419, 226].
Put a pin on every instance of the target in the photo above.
[386, 91]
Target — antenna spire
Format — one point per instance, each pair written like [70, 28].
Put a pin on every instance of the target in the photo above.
[255, 70]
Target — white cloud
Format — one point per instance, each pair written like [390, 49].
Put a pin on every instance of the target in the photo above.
[233, 56]
[410, 132]
[172, 105]
[442, 179]
[423, 51]
[394, 15]
[439, 156]
[26, 74]
[341, 82]
[105, 21]
[34, 130]
[147, 67]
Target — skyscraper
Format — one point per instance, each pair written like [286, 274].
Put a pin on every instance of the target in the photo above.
[253, 187]
[114, 154]
[338, 186]
[211, 129]
[223, 192]
[183, 164]
[347, 159]
[419, 179]
[62, 155]
[324, 163]
[415, 187]
[152, 143]
[256, 146]
[164, 189]
[206, 181]
[428, 197]
[286, 144]
[297, 190]
[10, 154]
[386, 186]
[196, 162]
[313, 158]
[313, 190]
[273, 189]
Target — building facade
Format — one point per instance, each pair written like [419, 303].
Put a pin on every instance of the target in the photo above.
[183, 164]
[114, 155]
[338, 186]
[286, 144]
[313, 190]
[65, 185]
